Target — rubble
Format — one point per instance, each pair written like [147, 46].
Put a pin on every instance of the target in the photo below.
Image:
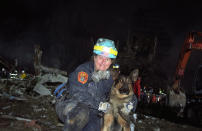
[26, 99]
[46, 74]
[53, 78]
[150, 123]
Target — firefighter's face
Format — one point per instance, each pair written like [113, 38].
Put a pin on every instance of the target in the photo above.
[102, 63]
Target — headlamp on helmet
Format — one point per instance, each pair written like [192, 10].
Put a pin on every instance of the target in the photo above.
[116, 66]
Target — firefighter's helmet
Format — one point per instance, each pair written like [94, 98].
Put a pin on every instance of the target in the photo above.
[106, 48]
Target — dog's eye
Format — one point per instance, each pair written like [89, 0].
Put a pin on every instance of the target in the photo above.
[121, 80]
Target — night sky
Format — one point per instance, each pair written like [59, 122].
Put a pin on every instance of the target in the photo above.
[66, 30]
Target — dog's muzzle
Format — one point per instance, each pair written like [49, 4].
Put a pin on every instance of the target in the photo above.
[124, 89]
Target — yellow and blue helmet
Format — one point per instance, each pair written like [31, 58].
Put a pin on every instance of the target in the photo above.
[106, 48]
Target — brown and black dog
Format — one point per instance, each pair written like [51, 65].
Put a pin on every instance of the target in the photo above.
[121, 94]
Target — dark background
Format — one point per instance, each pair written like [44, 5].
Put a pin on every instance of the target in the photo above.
[67, 30]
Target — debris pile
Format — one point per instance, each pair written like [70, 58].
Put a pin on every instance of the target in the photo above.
[27, 99]
[150, 123]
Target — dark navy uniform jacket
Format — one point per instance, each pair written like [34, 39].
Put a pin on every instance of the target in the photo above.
[83, 89]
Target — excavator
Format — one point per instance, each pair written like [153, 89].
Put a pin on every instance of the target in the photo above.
[176, 95]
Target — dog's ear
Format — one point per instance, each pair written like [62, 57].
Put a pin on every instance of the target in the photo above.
[134, 75]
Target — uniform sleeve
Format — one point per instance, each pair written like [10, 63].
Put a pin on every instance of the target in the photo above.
[79, 89]
[78, 80]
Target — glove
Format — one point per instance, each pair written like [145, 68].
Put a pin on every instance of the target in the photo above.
[104, 106]
[128, 107]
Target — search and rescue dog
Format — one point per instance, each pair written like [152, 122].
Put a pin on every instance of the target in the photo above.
[120, 97]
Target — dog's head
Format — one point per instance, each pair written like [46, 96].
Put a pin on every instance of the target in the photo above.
[125, 83]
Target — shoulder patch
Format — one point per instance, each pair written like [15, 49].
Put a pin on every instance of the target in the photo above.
[82, 77]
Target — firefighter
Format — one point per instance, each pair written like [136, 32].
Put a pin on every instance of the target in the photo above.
[137, 88]
[88, 86]
[136, 84]
[23, 75]
[3, 73]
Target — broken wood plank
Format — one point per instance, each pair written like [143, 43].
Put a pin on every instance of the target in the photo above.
[15, 118]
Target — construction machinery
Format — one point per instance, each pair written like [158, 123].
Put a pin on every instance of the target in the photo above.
[177, 96]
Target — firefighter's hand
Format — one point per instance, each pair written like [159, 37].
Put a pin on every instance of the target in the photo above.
[127, 107]
[104, 106]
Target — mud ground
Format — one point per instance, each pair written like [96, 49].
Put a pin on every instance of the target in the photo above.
[38, 114]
